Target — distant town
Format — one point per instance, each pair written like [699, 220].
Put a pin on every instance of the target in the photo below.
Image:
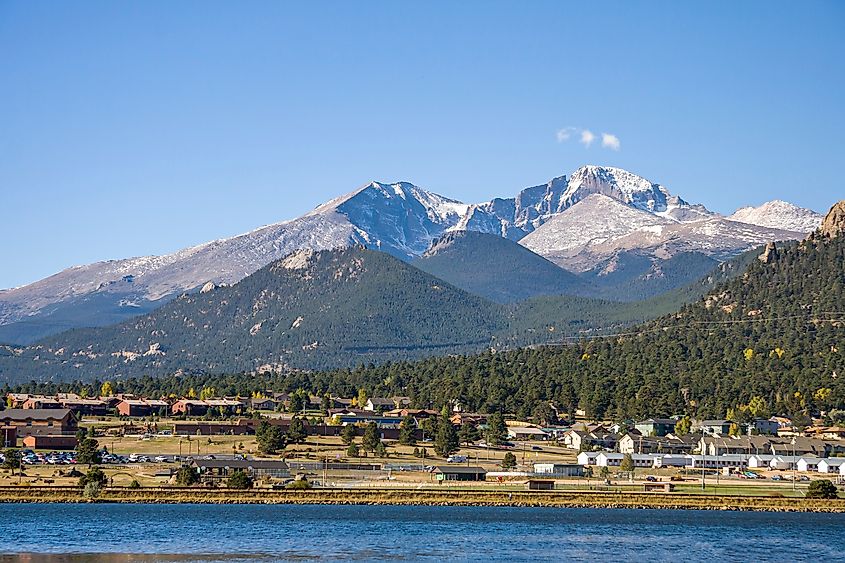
[278, 440]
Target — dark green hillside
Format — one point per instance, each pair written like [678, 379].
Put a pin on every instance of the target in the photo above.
[631, 276]
[320, 311]
[775, 334]
[496, 268]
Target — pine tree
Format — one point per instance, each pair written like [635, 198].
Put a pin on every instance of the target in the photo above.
[497, 430]
[348, 434]
[297, 432]
[371, 438]
[468, 433]
[446, 442]
[407, 431]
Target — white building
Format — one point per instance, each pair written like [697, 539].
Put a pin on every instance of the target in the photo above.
[718, 461]
[671, 461]
[807, 463]
[587, 458]
[784, 462]
[831, 465]
[760, 461]
[609, 459]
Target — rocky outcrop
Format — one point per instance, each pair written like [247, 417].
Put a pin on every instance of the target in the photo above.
[770, 254]
[833, 224]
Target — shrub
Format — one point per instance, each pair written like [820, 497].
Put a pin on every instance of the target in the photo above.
[239, 480]
[92, 490]
[134, 484]
[822, 488]
[95, 475]
[299, 485]
[186, 476]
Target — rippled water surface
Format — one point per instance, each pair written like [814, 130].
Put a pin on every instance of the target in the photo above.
[113, 532]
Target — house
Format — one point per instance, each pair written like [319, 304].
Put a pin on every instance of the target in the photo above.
[44, 421]
[559, 469]
[401, 402]
[459, 473]
[768, 427]
[760, 461]
[50, 441]
[459, 418]
[264, 404]
[526, 433]
[637, 444]
[784, 462]
[217, 469]
[140, 407]
[190, 407]
[587, 439]
[227, 406]
[86, 407]
[379, 404]
[807, 463]
[16, 400]
[713, 427]
[587, 458]
[656, 426]
[40, 402]
[416, 414]
[830, 464]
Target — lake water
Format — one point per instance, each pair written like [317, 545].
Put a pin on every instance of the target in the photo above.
[115, 532]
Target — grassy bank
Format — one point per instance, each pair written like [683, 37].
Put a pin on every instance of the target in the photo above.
[431, 497]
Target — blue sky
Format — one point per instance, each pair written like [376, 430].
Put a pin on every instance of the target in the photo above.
[140, 128]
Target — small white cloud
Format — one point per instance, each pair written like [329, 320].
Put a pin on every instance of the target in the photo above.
[587, 138]
[564, 134]
[609, 141]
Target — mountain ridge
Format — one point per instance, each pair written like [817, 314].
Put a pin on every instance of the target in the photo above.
[399, 218]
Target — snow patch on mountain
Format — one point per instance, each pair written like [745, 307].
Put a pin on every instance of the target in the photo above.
[779, 214]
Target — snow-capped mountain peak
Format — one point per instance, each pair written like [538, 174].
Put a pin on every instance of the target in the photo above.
[618, 184]
[779, 214]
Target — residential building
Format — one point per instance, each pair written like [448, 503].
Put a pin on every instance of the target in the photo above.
[830, 464]
[656, 426]
[85, 407]
[43, 421]
[526, 433]
[379, 404]
[263, 404]
[39, 402]
[50, 441]
[807, 463]
[140, 407]
[587, 458]
[713, 427]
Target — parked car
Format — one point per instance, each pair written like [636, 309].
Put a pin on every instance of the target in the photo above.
[777, 478]
[651, 479]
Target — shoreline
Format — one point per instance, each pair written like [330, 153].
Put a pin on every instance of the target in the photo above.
[424, 497]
